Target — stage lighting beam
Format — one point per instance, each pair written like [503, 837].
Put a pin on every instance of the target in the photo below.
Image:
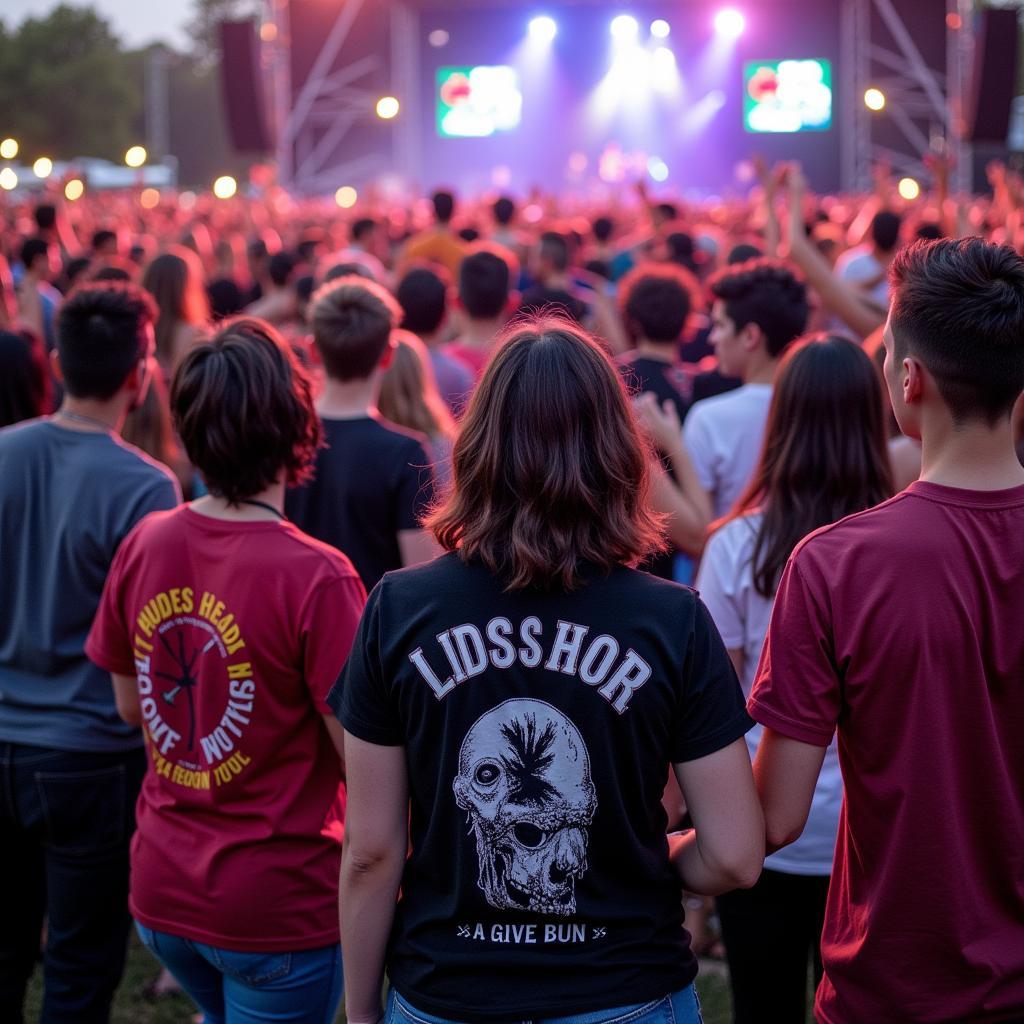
[543, 29]
[660, 29]
[624, 28]
[730, 22]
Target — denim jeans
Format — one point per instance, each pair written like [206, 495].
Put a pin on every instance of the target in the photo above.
[66, 819]
[303, 987]
[680, 1007]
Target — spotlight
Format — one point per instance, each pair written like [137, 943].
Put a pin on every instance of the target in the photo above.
[874, 99]
[268, 31]
[346, 197]
[225, 187]
[149, 199]
[730, 22]
[660, 29]
[8, 179]
[387, 108]
[136, 156]
[657, 168]
[74, 190]
[543, 28]
[908, 189]
[43, 167]
[624, 27]
[9, 149]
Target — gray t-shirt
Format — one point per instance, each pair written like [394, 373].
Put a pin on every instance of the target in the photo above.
[67, 500]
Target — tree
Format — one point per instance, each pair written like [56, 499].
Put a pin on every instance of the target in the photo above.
[68, 89]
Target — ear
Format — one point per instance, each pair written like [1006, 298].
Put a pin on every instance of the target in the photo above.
[913, 376]
[55, 367]
[751, 336]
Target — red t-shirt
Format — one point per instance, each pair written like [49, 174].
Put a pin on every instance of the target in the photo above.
[236, 632]
[902, 626]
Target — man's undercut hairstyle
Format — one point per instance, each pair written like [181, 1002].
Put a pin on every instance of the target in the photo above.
[352, 322]
[485, 279]
[885, 230]
[767, 293]
[444, 206]
[423, 296]
[101, 336]
[656, 301]
[550, 470]
[958, 306]
[243, 407]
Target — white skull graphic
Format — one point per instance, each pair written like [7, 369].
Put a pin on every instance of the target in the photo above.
[524, 780]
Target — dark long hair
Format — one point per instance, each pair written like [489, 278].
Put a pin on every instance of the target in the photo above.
[550, 470]
[824, 454]
[24, 377]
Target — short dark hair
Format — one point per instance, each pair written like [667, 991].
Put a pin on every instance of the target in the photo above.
[243, 407]
[667, 210]
[423, 296]
[603, 228]
[361, 227]
[101, 335]
[444, 206]
[45, 215]
[504, 210]
[554, 247]
[282, 265]
[767, 293]
[102, 237]
[656, 300]
[353, 269]
[484, 282]
[32, 249]
[959, 307]
[742, 252]
[352, 321]
[885, 230]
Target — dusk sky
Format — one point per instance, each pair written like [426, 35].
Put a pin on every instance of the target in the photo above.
[136, 23]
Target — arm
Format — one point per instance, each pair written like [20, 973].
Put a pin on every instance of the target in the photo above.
[126, 697]
[417, 546]
[725, 849]
[376, 834]
[337, 734]
[786, 771]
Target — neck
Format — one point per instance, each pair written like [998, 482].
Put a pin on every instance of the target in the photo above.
[761, 370]
[435, 339]
[973, 456]
[664, 352]
[481, 333]
[219, 508]
[105, 415]
[348, 399]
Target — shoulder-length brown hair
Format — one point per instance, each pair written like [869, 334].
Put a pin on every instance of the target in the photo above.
[550, 470]
[824, 454]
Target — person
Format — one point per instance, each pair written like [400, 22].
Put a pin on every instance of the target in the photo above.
[438, 243]
[363, 248]
[103, 244]
[409, 398]
[148, 427]
[553, 288]
[70, 491]
[238, 844]
[175, 280]
[539, 688]
[758, 309]
[896, 629]
[867, 266]
[224, 292]
[277, 304]
[423, 296]
[373, 482]
[824, 458]
[38, 300]
[24, 377]
[485, 300]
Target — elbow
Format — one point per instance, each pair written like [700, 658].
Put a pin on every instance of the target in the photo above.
[361, 862]
[779, 834]
[743, 873]
[130, 713]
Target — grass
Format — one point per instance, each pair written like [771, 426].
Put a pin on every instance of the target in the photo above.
[130, 1007]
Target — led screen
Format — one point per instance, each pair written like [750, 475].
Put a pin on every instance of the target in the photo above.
[787, 96]
[474, 102]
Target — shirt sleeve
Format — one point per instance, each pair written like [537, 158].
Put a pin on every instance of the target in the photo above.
[797, 690]
[415, 491]
[360, 698]
[109, 644]
[329, 622]
[697, 439]
[710, 714]
[718, 584]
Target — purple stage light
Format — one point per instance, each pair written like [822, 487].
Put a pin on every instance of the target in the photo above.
[730, 22]
[624, 28]
[543, 28]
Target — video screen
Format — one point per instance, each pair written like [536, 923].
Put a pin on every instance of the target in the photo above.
[787, 96]
[474, 102]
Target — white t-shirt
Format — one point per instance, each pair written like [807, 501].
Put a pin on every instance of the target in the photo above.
[723, 436]
[859, 265]
[726, 585]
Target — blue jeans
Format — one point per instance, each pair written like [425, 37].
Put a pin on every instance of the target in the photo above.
[303, 987]
[680, 1007]
[66, 819]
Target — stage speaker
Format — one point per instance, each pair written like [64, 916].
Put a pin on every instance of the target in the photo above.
[242, 83]
[994, 77]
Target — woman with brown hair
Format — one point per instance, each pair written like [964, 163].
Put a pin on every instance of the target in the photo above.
[224, 627]
[175, 280]
[824, 457]
[527, 693]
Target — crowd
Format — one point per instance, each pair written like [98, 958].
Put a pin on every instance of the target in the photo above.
[355, 540]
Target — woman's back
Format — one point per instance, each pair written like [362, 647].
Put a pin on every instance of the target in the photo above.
[538, 725]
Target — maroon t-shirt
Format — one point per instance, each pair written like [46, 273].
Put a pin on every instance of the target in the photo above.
[902, 626]
[236, 632]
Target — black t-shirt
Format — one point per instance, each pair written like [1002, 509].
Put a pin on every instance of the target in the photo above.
[372, 480]
[538, 730]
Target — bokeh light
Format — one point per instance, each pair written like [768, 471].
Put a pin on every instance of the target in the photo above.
[730, 22]
[149, 198]
[43, 167]
[346, 197]
[624, 27]
[387, 108]
[8, 179]
[909, 189]
[874, 99]
[660, 29]
[438, 38]
[543, 28]
[225, 187]
[9, 149]
[74, 189]
[136, 156]
[268, 31]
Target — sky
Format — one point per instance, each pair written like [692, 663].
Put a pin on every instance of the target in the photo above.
[137, 22]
